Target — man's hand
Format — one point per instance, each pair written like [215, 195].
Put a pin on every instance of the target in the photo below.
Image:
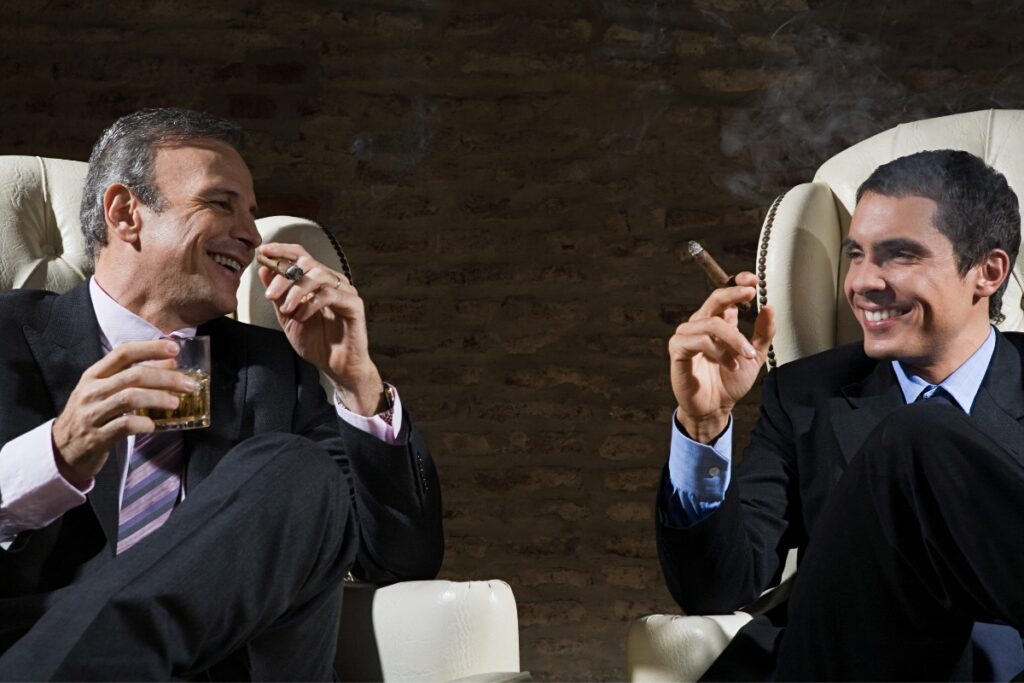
[325, 320]
[713, 365]
[99, 412]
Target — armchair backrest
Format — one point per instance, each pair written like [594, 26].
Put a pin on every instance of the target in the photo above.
[41, 243]
[800, 261]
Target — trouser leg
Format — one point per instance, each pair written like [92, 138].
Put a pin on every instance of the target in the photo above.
[921, 537]
[259, 546]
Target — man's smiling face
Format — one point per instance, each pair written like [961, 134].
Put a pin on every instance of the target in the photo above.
[905, 289]
[196, 246]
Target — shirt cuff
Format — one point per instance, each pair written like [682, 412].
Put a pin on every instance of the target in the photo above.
[33, 492]
[699, 475]
[385, 426]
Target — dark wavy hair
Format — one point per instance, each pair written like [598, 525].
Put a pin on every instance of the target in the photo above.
[977, 210]
[125, 153]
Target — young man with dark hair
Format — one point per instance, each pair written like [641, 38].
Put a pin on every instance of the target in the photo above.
[238, 574]
[894, 464]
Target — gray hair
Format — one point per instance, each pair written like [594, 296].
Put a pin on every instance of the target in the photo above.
[126, 152]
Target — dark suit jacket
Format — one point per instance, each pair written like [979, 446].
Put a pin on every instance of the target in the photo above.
[258, 385]
[815, 414]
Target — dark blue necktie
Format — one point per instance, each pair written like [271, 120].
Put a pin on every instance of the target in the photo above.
[936, 394]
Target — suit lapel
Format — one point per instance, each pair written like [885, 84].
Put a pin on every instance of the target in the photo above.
[64, 348]
[862, 406]
[999, 406]
[205, 447]
[66, 344]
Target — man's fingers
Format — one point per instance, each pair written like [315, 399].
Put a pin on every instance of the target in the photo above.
[338, 299]
[145, 376]
[684, 349]
[166, 364]
[694, 336]
[302, 290]
[721, 299]
[746, 279]
[266, 275]
[124, 425]
[321, 291]
[286, 250]
[102, 413]
[764, 329]
[97, 402]
[130, 353]
[295, 254]
[134, 399]
[153, 375]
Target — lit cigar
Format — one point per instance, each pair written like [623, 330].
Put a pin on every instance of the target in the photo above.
[282, 266]
[710, 266]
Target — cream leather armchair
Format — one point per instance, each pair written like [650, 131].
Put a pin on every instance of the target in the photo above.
[801, 272]
[413, 631]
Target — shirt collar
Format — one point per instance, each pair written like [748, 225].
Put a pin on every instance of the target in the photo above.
[119, 325]
[962, 385]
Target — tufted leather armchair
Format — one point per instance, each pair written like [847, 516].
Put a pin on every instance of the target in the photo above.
[801, 274]
[411, 631]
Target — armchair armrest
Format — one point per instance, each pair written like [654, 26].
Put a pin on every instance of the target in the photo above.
[667, 647]
[431, 631]
[662, 647]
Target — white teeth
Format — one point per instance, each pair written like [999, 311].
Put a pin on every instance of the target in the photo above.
[225, 261]
[878, 316]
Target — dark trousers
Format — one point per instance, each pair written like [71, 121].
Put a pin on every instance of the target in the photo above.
[923, 535]
[246, 572]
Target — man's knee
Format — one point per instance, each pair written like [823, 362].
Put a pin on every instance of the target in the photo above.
[919, 437]
[936, 448]
[284, 468]
[289, 455]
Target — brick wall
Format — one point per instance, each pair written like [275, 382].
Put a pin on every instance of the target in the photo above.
[515, 182]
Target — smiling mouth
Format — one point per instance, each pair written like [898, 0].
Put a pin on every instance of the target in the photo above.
[226, 261]
[885, 314]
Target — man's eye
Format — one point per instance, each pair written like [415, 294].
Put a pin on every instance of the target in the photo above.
[853, 254]
[221, 204]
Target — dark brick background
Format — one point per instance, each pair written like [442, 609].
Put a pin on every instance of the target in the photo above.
[515, 182]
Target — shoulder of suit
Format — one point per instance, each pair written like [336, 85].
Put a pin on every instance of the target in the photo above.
[25, 305]
[1015, 338]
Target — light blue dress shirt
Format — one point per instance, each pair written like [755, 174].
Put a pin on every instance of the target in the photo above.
[699, 474]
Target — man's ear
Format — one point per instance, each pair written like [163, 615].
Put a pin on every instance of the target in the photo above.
[992, 272]
[121, 210]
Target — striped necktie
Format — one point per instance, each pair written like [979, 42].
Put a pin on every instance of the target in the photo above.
[152, 486]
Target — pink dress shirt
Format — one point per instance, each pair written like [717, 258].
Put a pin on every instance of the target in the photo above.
[32, 491]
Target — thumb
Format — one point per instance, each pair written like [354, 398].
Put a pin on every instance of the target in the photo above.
[764, 330]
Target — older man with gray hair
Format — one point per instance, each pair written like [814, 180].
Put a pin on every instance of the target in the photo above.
[130, 553]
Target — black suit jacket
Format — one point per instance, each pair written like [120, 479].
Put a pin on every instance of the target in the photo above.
[258, 385]
[815, 415]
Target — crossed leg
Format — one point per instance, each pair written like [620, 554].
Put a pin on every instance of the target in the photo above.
[921, 538]
[250, 563]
